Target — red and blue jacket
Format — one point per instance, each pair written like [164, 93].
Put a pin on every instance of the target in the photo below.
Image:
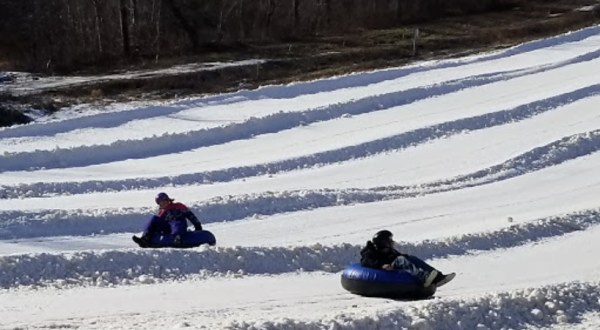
[176, 215]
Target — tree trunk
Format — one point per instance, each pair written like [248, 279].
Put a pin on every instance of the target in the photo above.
[242, 33]
[125, 28]
[328, 15]
[224, 14]
[296, 6]
[185, 25]
[97, 25]
[157, 29]
[271, 5]
[133, 40]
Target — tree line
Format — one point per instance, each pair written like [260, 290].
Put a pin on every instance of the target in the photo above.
[48, 35]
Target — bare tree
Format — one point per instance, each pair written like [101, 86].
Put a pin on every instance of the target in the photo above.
[185, 24]
[156, 19]
[97, 26]
[296, 15]
[242, 30]
[124, 23]
[270, 7]
[224, 13]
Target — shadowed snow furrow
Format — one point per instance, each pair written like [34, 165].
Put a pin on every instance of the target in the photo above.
[72, 223]
[280, 92]
[106, 120]
[106, 267]
[512, 236]
[539, 307]
[179, 142]
[371, 148]
[555, 153]
[81, 222]
[18, 224]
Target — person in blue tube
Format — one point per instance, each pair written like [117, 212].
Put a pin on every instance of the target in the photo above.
[172, 219]
[380, 253]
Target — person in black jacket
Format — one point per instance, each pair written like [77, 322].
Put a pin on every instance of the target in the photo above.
[380, 253]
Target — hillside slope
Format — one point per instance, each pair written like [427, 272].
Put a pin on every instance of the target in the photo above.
[484, 165]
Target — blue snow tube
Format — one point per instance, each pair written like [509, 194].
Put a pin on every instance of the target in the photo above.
[371, 282]
[188, 240]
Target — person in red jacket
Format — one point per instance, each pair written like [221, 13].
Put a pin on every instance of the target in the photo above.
[172, 219]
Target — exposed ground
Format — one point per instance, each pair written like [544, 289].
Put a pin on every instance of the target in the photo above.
[322, 57]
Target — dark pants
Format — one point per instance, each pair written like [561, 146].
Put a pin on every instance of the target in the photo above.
[156, 226]
[419, 263]
[413, 265]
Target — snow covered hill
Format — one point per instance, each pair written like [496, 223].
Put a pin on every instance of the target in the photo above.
[485, 166]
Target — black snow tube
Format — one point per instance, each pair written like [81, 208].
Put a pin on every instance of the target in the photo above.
[188, 240]
[371, 282]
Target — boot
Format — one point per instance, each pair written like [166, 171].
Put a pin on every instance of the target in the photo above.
[143, 241]
[431, 277]
[442, 279]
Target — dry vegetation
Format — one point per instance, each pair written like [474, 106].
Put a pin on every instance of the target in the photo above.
[324, 45]
[63, 35]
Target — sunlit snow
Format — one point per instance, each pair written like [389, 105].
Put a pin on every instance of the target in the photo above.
[485, 166]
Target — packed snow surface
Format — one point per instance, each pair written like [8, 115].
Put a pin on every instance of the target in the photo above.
[486, 166]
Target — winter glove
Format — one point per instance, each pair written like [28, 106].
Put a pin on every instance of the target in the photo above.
[198, 228]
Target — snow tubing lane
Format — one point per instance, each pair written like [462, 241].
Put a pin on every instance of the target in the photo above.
[371, 282]
[188, 240]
